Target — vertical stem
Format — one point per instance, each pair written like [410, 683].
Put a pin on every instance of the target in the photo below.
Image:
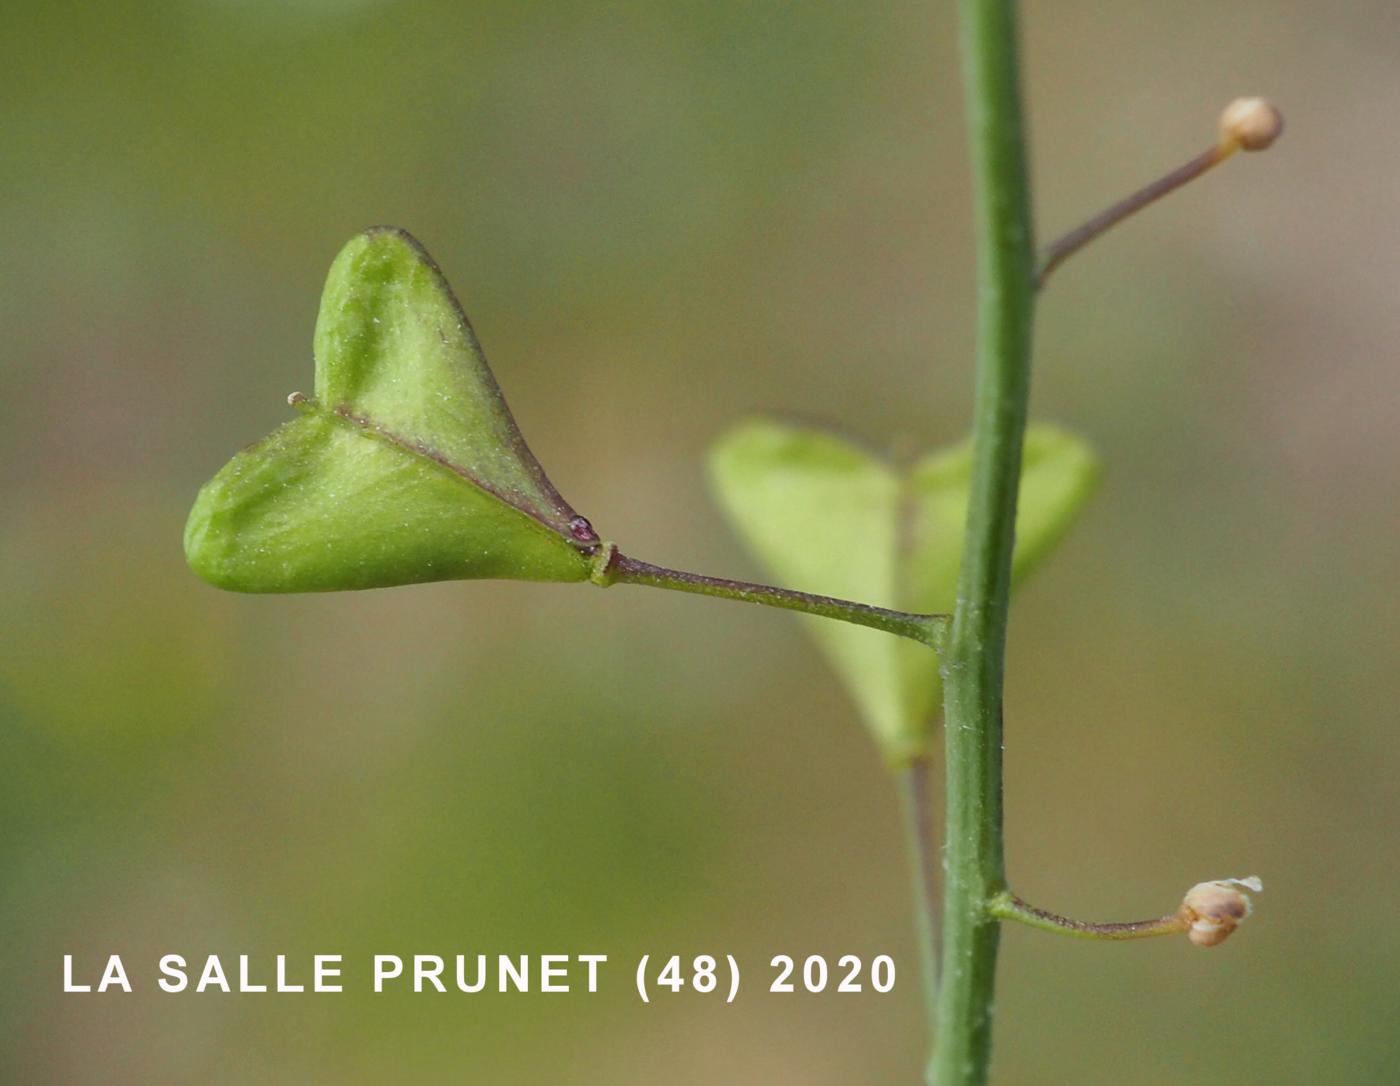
[975, 650]
[923, 867]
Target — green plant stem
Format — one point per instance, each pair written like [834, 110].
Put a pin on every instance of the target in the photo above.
[973, 657]
[618, 568]
[1007, 906]
[923, 866]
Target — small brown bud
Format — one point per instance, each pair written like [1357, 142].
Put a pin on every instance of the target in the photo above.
[1212, 910]
[1250, 123]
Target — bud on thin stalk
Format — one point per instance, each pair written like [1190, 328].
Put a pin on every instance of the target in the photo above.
[1209, 912]
[1248, 124]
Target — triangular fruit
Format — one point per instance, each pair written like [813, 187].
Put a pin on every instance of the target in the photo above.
[405, 466]
[825, 515]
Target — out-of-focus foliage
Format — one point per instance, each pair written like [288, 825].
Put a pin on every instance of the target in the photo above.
[825, 515]
[663, 217]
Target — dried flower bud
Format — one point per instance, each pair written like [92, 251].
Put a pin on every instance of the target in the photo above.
[1212, 910]
[1250, 123]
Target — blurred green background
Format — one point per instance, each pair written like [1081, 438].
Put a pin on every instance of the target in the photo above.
[662, 217]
